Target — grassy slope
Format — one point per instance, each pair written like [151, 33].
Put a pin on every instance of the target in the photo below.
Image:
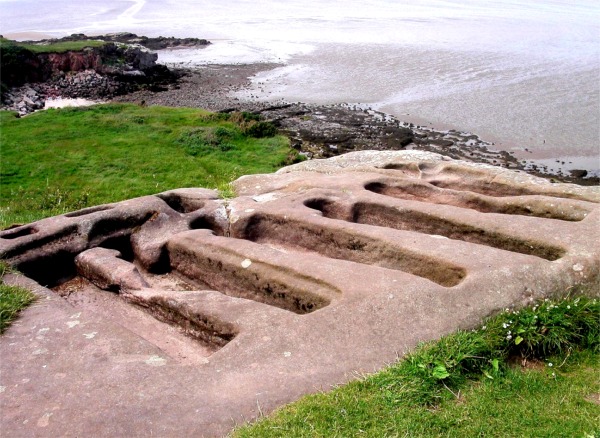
[463, 385]
[60, 160]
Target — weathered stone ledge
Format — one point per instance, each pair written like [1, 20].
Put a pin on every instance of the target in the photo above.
[323, 270]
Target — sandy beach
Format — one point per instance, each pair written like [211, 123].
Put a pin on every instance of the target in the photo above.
[27, 36]
[59, 102]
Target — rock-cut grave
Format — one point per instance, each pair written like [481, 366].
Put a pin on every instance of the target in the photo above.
[182, 314]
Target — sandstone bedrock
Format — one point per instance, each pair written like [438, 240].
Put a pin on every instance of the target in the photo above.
[184, 314]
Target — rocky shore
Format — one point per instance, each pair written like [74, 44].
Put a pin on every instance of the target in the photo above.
[316, 131]
[321, 131]
[87, 84]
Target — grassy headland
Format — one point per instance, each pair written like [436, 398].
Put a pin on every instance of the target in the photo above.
[60, 160]
[51, 47]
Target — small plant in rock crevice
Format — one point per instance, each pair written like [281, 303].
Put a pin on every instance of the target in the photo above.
[223, 183]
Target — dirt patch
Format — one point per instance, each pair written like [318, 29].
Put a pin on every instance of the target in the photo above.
[594, 398]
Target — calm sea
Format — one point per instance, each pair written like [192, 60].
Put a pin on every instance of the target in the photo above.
[524, 74]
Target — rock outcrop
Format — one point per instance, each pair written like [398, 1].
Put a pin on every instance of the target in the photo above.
[327, 131]
[156, 43]
[233, 307]
[93, 72]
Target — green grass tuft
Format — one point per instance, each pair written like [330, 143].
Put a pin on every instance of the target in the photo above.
[466, 384]
[13, 299]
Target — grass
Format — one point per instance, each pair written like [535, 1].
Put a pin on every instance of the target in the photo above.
[470, 384]
[523, 403]
[66, 159]
[55, 47]
[12, 299]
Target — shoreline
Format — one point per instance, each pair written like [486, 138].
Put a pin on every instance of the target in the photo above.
[221, 87]
[316, 130]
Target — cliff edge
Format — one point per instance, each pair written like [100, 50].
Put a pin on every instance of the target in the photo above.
[80, 66]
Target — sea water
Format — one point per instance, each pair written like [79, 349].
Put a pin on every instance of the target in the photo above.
[522, 73]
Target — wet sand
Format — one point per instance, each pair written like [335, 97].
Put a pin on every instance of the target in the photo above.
[60, 102]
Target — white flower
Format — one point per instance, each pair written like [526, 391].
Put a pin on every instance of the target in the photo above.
[504, 325]
[509, 337]
[484, 327]
[549, 364]
[568, 307]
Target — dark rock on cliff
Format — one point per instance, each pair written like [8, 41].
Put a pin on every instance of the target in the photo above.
[93, 72]
[157, 43]
[19, 66]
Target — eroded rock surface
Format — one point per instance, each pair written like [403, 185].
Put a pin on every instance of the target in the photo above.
[191, 314]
